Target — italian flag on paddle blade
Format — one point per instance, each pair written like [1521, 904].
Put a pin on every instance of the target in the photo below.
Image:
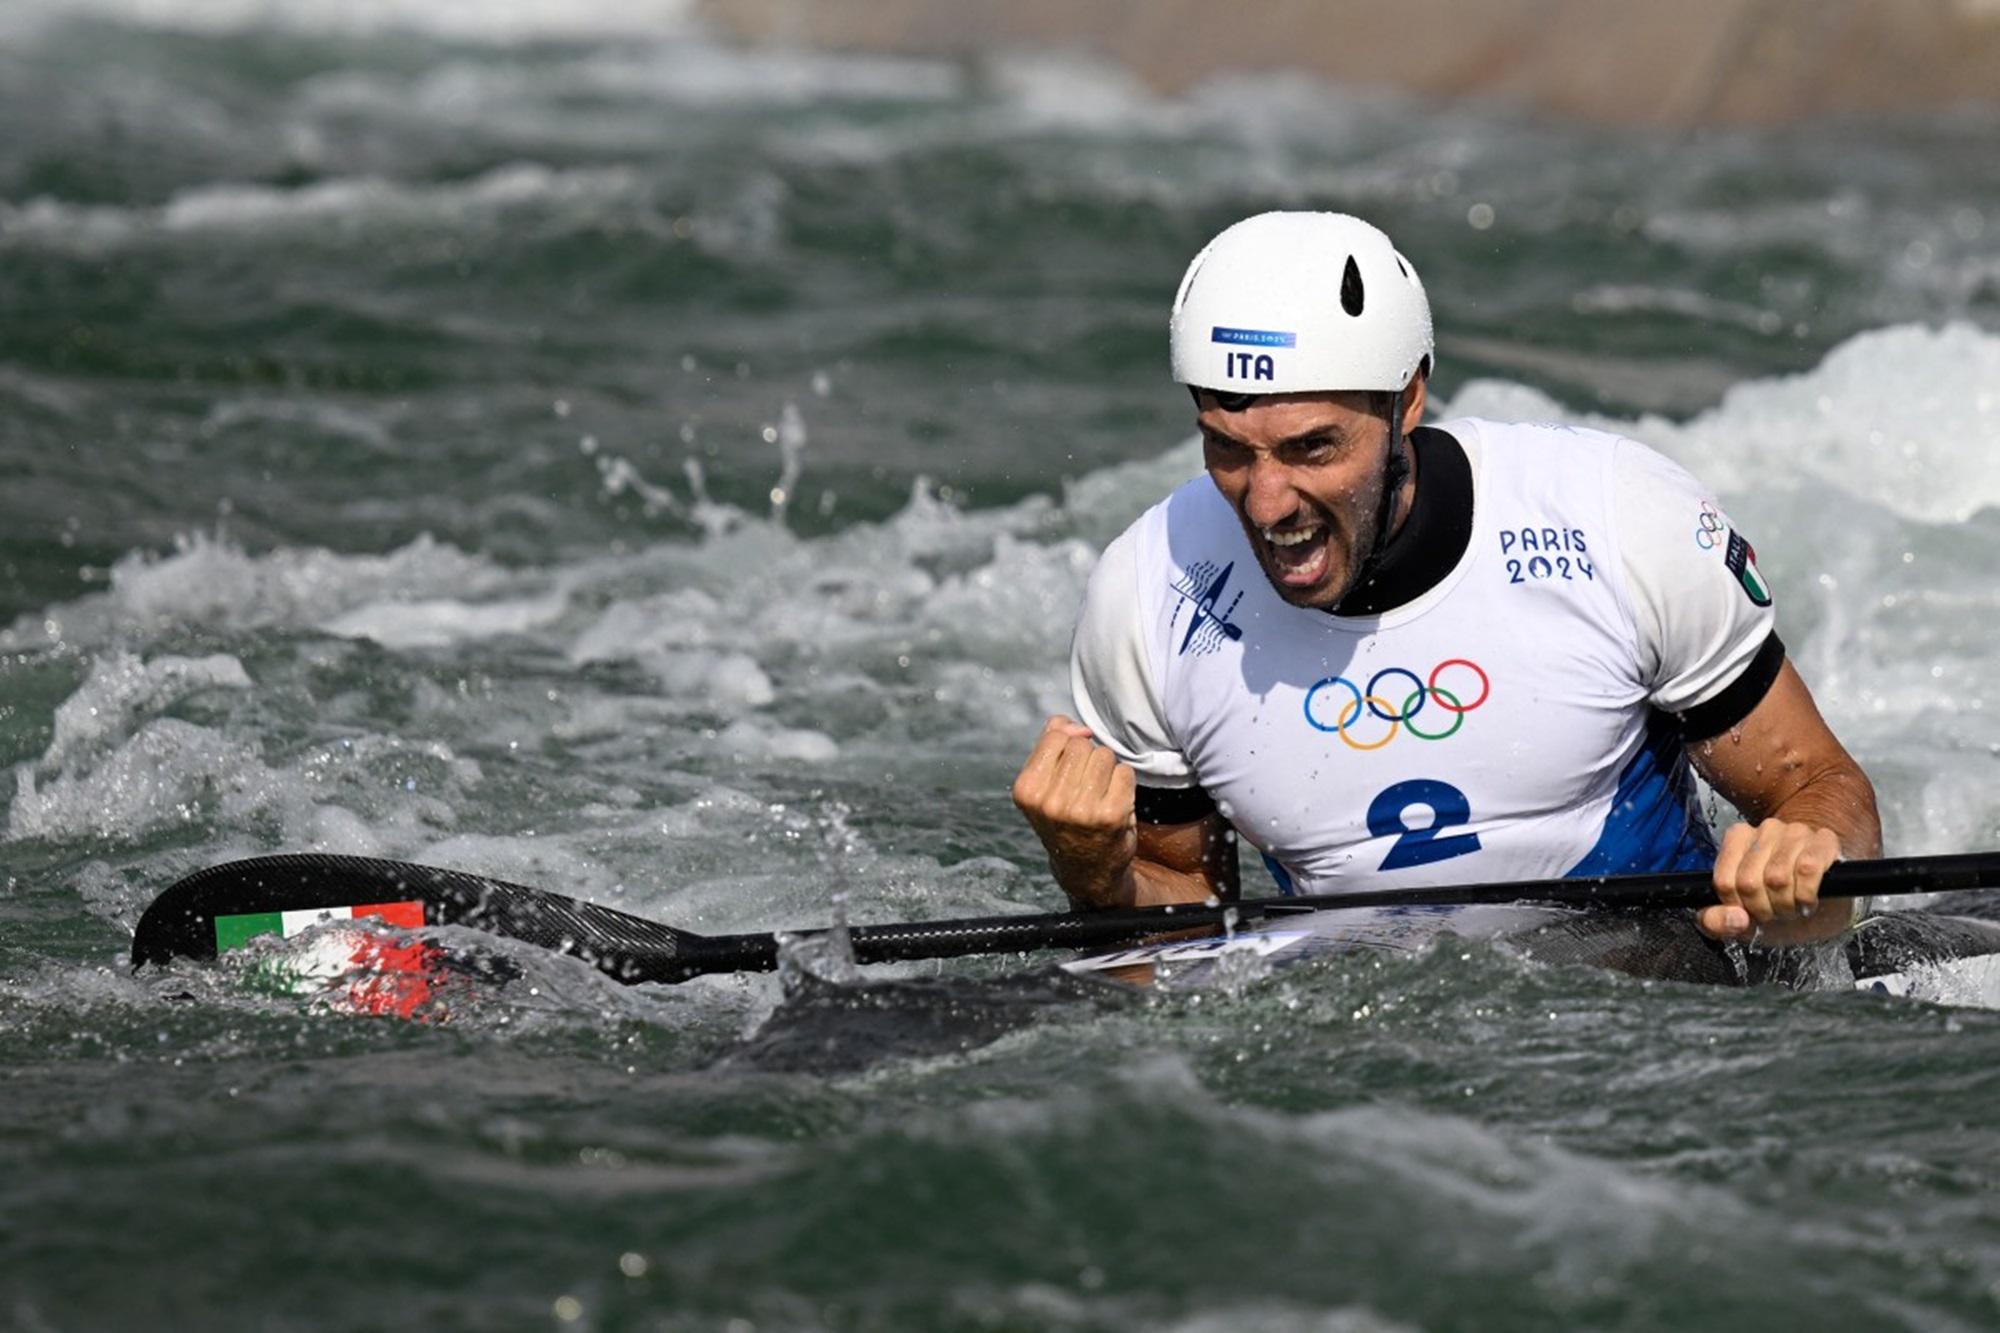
[233, 932]
[359, 971]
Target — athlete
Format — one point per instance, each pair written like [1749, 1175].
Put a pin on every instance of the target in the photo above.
[1387, 654]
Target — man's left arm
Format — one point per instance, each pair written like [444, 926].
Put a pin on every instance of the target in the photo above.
[1805, 803]
[1710, 655]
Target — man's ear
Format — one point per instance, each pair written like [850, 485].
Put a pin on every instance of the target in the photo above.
[1414, 400]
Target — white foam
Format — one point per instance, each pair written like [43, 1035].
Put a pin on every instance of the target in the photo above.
[1016, 609]
[213, 582]
[158, 777]
[122, 686]
[597, 717]
[1071, 92]
[1629, 298]
[633, 629]
[580, 194]
[705, 74]
[1906, 417]
[716, 804]
[662, 643]
[727, 679]
[755, 740]
[261, 208]
[754, 593]
[336, 829]
[534, 861]
[67, 226]
[114, 770]
[262, 413]
[999, 703]
[440, 622]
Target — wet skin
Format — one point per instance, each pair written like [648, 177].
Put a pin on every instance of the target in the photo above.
[1304, 474]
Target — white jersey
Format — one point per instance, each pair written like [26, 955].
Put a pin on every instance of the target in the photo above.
[1515, 721]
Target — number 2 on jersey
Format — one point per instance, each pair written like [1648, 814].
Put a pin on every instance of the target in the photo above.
[1421, 846]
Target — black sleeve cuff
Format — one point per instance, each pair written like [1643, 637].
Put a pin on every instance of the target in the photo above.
[1172, 805]
[1736, 701]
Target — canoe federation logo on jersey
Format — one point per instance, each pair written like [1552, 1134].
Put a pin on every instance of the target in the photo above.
[1200, 592]
[1369, 717]
[1714, 531]
[1251, 365]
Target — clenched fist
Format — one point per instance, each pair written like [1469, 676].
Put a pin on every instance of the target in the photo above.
[1078, 798]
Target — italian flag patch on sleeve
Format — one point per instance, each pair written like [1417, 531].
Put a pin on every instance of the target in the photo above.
[1742, 561]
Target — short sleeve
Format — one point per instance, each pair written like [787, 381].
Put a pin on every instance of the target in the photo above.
[1111, 676]
[1706, 624]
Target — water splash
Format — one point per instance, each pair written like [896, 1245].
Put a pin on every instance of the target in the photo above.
[821, 957]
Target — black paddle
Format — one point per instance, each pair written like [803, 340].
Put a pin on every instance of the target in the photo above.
[233, 901]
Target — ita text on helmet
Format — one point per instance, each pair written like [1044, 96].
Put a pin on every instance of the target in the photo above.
[1300, 303]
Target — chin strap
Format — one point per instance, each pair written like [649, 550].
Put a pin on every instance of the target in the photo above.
[1395, 472]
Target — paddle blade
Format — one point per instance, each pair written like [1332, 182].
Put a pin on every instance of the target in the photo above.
[226, 905]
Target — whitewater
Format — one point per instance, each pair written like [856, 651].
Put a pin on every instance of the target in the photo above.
[555, 444]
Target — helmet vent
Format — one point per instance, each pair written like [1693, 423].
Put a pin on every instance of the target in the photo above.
[1352, 297]
[1401, 267]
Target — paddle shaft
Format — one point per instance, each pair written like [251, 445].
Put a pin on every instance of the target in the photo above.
[908, 941]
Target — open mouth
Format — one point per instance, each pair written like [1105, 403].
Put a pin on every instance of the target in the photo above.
[1296, 555]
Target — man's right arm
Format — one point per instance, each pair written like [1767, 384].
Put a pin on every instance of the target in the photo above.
[1078, 787]
[1080, 800]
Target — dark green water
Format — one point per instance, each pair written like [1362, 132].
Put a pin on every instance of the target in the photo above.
[350, 378]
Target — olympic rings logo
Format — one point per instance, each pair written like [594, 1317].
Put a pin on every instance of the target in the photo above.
[1712, 529]
[1371, 702]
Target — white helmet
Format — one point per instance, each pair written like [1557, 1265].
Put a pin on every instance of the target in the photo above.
[1298, 303]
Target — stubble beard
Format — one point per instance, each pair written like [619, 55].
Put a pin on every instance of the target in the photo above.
[1342, 550]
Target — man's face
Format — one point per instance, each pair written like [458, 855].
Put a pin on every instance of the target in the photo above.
[1304, 473]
